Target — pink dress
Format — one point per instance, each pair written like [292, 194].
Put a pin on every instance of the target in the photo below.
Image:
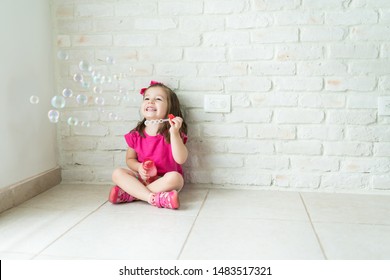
[156, 149]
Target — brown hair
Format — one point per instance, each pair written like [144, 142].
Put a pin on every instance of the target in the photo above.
[173, 108]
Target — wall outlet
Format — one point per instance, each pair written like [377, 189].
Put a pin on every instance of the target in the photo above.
[384, 105]
[217, 103]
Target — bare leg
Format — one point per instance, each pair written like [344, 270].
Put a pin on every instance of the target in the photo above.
[127, 181]
[169, 182]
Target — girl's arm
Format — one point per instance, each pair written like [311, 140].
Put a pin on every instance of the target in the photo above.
[179, 150]
[132, 161]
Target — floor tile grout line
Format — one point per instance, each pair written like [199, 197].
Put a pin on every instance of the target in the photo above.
[312, 226]
[69, 229]
[193, 224]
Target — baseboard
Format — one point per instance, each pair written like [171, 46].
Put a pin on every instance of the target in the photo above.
[20, 192]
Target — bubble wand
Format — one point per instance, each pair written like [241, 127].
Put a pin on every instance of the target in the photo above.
[152, 122]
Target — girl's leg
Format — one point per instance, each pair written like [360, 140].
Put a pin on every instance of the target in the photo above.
[160, 193]
[164, 190]
[127, 181]
[169, 182]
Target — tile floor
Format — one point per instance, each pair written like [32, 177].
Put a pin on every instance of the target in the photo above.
[77, 222]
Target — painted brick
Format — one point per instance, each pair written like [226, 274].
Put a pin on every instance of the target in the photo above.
[349, 181]
[251, 52]
[268, 131]
[180, 7]
[353, 117]
[306, 181]
[247, 84]
[347, 149]
[272, 5]
[299, 116]
[299, 148]
[358, 51]
[323, 132]
[275, 35]
[318, 164]
[320, 34]
[224, 6]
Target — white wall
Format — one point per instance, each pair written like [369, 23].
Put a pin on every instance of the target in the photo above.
[28, 140]
[304, 76]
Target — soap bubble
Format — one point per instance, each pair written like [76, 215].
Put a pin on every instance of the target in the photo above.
[113, 116]
[126, 98]
[85, 123]
[85, 66]
[110, 60]
[122, 90]
[34, 99]
[97, 89]
[99, 101]
[85, 84]
[78, 77]
[82, 99]
[72, 121]
[58, 102]
[97, 80]
[67, 92]
[108, 79]
[95, 73]
[63, 55]
[53, 116]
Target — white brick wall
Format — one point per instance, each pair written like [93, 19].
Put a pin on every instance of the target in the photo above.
[304, 77]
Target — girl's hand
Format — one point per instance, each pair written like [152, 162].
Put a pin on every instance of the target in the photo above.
[176, 124]
[142, 172]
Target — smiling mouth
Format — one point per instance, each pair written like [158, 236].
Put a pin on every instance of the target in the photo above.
[150, 109]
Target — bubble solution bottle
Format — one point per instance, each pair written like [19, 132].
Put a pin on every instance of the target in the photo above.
[151, 170]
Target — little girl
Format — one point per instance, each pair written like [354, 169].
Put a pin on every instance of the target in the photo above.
[163, 143]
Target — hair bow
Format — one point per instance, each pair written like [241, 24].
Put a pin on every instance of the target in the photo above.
[142, 91]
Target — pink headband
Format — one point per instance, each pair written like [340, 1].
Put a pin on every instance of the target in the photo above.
[142, 91]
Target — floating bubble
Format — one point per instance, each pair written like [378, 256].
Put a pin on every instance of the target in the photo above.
[63, 55]
[97, 80]
[67, 92]
[58, 102]
[34, 99]
[113, 116]
[78, 77]
[99, 101]
[85, 123]
[95, 73]
[85, 84]
[97, 89]
[72, 121]
[53, 116]
[85, 66]
[82, 99]
[122, 90]
[110, 60]
[126, 98]
[108, 79]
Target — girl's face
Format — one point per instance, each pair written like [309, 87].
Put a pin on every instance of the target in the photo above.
[155, 104]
